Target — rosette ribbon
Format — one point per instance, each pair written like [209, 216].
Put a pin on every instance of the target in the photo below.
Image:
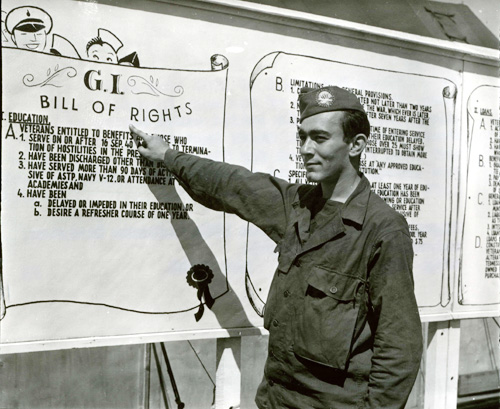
[200, 276]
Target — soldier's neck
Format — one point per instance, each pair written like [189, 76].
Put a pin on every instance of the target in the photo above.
[340, 189]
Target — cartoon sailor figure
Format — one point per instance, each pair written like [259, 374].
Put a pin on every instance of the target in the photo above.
[105, 48]
[29, 28]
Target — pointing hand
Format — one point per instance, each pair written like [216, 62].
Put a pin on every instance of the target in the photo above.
[152, 147]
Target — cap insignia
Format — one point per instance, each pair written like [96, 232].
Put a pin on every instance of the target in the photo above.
[325, 99]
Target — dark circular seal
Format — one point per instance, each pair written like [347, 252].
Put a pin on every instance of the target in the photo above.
[199, 276]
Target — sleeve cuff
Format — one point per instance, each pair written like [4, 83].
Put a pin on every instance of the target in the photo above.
[169, 157]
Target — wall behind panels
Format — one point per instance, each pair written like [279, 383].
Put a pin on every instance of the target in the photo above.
[133, 376]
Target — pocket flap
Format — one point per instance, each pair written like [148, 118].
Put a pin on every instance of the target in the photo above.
[333, 284]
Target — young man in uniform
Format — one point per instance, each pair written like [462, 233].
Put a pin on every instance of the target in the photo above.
[344, 328]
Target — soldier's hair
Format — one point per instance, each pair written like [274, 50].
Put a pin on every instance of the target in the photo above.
[354, 123]
[94, 41]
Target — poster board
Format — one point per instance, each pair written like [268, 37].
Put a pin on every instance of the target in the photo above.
[478, 255]
[74, 185]
[122, 270]
[407, 158]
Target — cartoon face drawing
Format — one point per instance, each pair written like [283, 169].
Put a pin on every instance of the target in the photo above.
[101, 51]
[36, 40]
[29, 27]
[105, 47]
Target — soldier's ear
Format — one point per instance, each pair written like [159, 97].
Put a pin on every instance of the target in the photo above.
[358, 144]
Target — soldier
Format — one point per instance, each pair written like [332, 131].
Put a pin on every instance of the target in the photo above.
[344, 328]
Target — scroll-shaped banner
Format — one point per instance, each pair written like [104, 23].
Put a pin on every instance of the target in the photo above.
[84, 218]
[407, 160]
[479, 275]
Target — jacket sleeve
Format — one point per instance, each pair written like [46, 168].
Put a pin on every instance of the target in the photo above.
[398, 340]
[255, 197]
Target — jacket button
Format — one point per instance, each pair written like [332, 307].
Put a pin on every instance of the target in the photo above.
[333, 289]
[286, 293]
[275, 323]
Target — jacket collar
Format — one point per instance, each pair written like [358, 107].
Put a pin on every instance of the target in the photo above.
[353, 211]
[354, 208]
[356, 205]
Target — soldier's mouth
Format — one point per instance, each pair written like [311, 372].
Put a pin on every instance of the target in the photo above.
[32, 46]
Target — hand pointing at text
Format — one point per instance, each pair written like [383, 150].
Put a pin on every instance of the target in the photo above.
[152, 147]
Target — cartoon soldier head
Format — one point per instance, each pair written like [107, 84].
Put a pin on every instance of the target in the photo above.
[29, 27]
[104, 47]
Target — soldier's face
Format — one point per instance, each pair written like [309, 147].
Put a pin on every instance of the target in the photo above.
[35, 41]
[323, 149]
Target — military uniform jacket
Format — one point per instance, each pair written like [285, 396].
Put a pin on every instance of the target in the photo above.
[344, 328]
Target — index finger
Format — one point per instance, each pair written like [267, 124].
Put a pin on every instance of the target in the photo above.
[138, 132]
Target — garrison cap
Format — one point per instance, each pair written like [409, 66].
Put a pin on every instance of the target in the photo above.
[314, 101]
[28, 18]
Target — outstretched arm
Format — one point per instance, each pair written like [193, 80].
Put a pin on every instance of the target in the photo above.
[258, 198]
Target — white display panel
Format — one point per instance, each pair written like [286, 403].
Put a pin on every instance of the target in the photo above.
[478, 281]
[407, 159]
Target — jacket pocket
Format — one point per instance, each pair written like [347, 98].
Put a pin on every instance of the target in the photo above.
[326, 318]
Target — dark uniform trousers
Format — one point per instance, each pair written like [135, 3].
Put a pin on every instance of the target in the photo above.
[344, 328]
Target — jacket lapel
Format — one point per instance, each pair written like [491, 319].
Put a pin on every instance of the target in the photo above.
[294, 243]
[330, 229]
